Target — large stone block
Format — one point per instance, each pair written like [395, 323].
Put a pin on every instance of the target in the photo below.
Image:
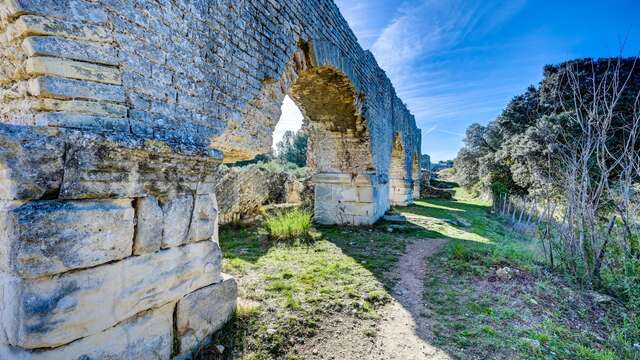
[148, 335]
[38, 163]
[66, 9]
[204, 312]
[69, 49]
[149, 223]
[50, 312]
[31, 162]
[82, 121]
[177, 219]
[204, 221]
[50, 237]
[44, 65]
[117, 166]
[61, 88]
[38, 25]
[68, 107]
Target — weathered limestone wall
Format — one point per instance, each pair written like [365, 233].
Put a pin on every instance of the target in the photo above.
[101, 237]
[400, 192]
[242, 191]
[115, 117]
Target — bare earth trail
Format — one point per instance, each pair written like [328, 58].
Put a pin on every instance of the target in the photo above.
[402, 331]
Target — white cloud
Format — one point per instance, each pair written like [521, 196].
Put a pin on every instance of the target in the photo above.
[424, 27]
[428, 131]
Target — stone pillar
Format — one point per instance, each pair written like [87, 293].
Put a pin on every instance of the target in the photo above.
[416, 189]
[400, 192]
[344, 199]
[108, 247]
[108, 240]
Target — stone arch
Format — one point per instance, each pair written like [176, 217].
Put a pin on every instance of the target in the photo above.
[339, 154]
[399, 180]
[338, 136]
[121, 124]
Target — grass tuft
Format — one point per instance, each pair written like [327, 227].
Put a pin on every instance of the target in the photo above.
[289, 226]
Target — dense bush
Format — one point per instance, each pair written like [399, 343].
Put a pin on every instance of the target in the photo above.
[278, 166]
[519, 149]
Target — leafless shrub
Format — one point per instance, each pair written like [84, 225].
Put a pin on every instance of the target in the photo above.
[599, 182]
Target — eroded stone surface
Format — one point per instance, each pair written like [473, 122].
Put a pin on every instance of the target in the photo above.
[204, 220]
[149, 225]
[78, 9]
[44, 65]
[177, 219]
[105, 167]
[70, 49]
[146, 336]
[31, 162]
[61, 88]
[204, 312]
[51, 312]
[39, 25]
[50, 237]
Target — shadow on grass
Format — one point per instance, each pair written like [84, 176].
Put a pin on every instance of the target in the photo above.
[376, 249]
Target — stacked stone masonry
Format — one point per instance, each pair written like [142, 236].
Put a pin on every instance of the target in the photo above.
[115, 118]
[243, 191]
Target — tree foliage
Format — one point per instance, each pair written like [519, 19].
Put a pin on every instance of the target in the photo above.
[293, 148]
[518, 150]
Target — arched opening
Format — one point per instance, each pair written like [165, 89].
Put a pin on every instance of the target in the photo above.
[290, 122]
[290, 141]
[339, 152]
[338, 140]
[400, 192]
[347, 188]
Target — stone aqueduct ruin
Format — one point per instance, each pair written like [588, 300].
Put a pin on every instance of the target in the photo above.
[115, 117]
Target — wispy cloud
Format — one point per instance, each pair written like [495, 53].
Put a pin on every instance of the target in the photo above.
[424, 27]
[455, 62]
[430, 50]
[429, 130]
[367, 18]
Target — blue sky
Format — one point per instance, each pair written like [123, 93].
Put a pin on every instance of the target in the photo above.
[456, 62]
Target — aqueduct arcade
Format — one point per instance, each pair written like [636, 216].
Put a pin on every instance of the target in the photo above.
[115, 118]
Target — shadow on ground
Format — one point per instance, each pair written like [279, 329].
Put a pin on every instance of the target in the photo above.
[341, 284]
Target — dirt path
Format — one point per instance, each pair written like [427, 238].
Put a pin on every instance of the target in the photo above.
[401, 332]
[404, 330]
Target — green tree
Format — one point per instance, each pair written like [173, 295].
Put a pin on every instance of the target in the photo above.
[518, 148]
[293, 148]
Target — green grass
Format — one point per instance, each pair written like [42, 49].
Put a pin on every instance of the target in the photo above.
[537, 315]
[295, 287]
[288, 225]
[290, 290]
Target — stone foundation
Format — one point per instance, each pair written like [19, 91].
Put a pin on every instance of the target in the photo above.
[347, 200]
[96, 258]
[400, 192]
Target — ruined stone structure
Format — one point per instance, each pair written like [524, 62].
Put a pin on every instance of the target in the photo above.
[242, 191]
[115, 116]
